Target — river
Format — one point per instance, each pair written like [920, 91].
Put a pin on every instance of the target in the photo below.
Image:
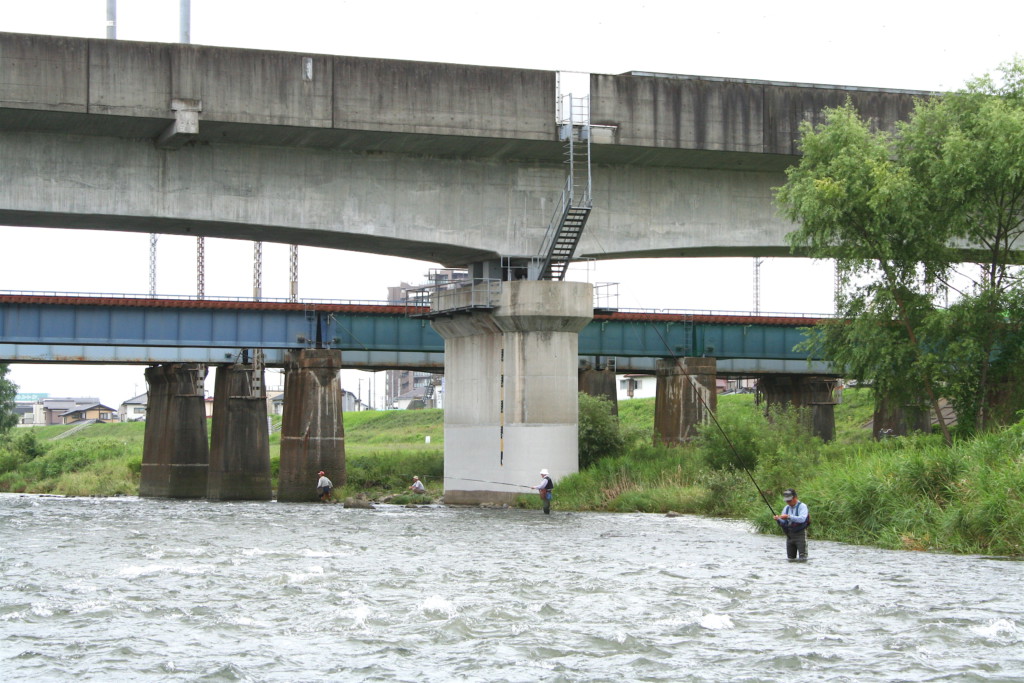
[140, 589]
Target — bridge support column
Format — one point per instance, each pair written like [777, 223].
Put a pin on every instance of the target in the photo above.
[239, 440]
[891, 419]
[800, 391]
[599, 382]
[686, 396]
[175, 451]
[312, 428]
[510, 390]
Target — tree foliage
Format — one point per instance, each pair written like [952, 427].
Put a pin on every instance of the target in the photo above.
[8, 390]
[599, 435]
[898, 212]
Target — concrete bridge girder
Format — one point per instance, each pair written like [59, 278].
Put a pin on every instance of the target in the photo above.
[443, 162]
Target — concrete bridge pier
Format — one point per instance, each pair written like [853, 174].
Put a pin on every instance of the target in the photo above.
[510, 381]
[599, 380]
[891, 419]
[312, 428]
[815, 393]
[239, 440]
[175, 451]
[686, 397]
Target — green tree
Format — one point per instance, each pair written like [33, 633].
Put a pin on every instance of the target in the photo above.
[857, 204]
[967, 150]
[890, 209]
[599, 435]
[8, 390]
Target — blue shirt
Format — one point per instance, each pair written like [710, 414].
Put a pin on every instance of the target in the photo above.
[797, 515]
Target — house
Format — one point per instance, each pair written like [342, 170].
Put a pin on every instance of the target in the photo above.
[50, 411]
[134, 409]
[96, 411]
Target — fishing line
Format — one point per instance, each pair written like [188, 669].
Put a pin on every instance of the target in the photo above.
[486, 481]
[711, 413]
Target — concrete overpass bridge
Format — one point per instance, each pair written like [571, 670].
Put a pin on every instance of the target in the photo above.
[454, 164]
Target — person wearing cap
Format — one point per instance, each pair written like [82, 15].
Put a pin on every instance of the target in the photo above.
[417, 485]
[544, 488]
[794, 520]
[324, 487]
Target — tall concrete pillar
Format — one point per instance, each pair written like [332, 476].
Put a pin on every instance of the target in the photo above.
[804, 391]
[312, 428]
[599, 382]
[510, 390]
[239, 440]
[686, 397]
[175, 451]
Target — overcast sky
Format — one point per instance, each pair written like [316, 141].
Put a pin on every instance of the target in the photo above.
[895, 44]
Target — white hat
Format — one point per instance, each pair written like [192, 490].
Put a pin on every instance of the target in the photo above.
[415, 477]
[543, 473]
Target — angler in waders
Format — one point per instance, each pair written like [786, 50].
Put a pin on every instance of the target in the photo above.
[794, 520]
[544, 488]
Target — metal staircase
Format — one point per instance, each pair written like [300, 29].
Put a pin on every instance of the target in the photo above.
[570, 217]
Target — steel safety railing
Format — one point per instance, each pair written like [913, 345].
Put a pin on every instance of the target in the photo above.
[481, 293]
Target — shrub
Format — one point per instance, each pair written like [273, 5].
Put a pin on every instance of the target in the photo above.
[599, 435]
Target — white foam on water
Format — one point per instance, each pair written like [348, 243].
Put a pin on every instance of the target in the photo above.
[315, 553]
[715, 622]
[995, 628]
[135, 571]
[435, 604]
[40, 609]
[311, 574]
[360, 613]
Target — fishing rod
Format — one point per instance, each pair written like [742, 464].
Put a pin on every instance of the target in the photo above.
[485, 481]
[711, 413]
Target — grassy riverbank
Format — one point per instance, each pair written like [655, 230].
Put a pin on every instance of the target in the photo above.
[911, 493]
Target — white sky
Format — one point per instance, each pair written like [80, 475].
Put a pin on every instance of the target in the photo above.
[894, 44]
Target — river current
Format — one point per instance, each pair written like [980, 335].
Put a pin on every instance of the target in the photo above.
[114, 589]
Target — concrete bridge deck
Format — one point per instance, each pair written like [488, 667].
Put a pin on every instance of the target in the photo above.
[445, 163]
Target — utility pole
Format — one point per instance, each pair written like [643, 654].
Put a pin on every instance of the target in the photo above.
[111, 19]
[757, 284]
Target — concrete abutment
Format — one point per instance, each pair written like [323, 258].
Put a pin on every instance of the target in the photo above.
[817, 394]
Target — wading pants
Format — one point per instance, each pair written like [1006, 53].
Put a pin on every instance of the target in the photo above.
[796, 542]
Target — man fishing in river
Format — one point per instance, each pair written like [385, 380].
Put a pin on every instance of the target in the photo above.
[794, 520]
[544, 488]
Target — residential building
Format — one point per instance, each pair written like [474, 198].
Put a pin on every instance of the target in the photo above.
[96, 411]
[134, 409]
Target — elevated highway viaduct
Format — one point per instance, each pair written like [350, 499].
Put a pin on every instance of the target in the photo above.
[449, 163]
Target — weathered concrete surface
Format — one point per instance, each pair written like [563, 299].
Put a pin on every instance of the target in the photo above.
[239, 441]
[892, 419]
[814, 393]
[312, 427]
[686, 397]
[510, 396]
[438, 162]
[175, 452]
[600, 383]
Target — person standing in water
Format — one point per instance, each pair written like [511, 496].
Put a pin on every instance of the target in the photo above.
[544, 488]
[324, 487]
[794, 520]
